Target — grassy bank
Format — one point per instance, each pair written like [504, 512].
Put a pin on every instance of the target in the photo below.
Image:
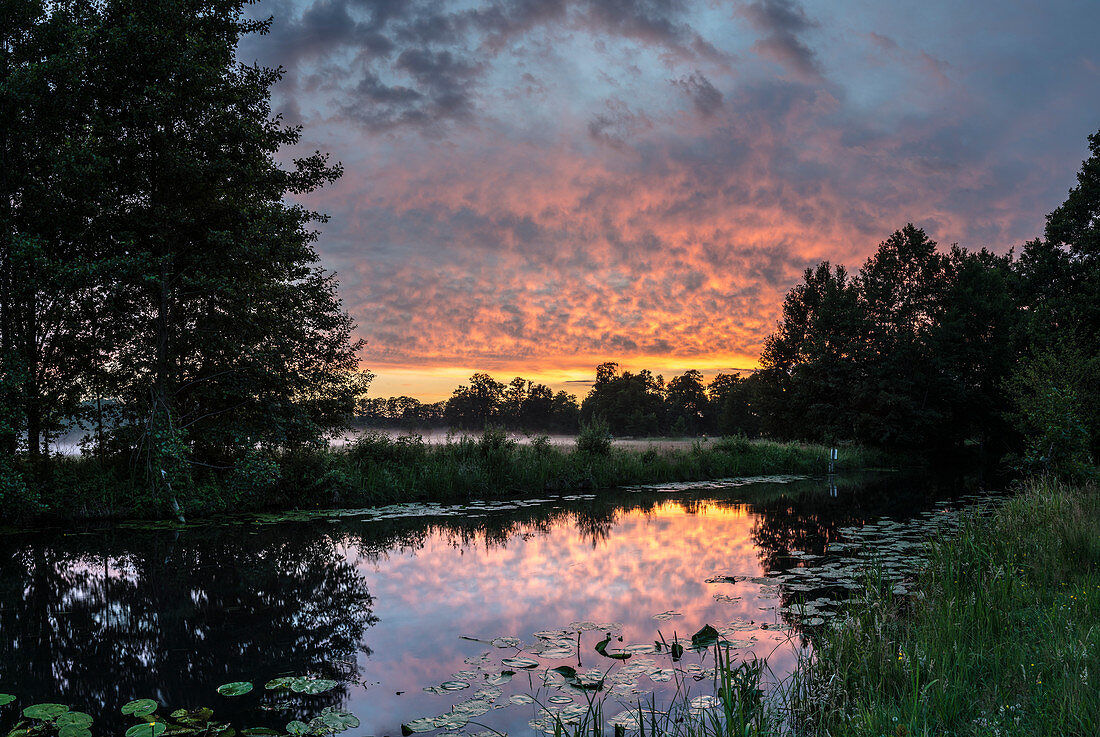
[1003, 638]
[378, 469]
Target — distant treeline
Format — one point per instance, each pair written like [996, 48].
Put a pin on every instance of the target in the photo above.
[629, 403]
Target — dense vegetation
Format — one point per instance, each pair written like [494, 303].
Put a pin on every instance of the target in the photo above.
[156, 286]
[1001, 639]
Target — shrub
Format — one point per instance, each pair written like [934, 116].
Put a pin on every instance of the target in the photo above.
[595, 438]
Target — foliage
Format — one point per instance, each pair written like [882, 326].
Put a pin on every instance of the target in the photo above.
[1051, 414]
[594, 438]
[1000, 640]
[151, 261]
[49, 719]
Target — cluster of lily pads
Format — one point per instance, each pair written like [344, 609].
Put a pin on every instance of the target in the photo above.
[564, 694]
[47, 719]
[891, 549]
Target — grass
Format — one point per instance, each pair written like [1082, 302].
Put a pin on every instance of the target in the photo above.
[1003, 638]
[379, 469]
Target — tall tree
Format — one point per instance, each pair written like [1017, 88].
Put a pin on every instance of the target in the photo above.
[235, 333]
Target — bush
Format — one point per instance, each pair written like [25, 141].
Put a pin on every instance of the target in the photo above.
[595, 438]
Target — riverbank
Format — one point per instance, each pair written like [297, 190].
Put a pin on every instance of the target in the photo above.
[378, 469]
[1001, 638]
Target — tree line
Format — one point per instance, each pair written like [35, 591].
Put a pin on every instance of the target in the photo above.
[156, 284]
[628, 403]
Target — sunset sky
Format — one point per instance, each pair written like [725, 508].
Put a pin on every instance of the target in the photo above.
[535, 186]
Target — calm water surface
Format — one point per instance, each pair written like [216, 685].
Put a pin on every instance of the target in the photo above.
[390, 602]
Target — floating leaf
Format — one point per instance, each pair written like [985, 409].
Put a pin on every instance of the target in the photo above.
[6, 698]
[193, 716]
[139, 707]
[704, 638]
[425, 724]
[665, 616]
[150, 729]
[601, 648]
[261, 732]
[74, 719]
[526, 663]
[278, 683]
[236, 688]
[45, 712]
[297, 728]
[340, 720]
[569, 674]
[500, 680]
[312, 685]
[74, 730]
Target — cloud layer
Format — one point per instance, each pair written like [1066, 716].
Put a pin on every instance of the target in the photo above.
[536, 185]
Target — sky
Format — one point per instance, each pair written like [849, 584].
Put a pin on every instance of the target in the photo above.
[533, 187]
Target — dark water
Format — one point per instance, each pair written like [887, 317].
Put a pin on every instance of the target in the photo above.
[381, 600]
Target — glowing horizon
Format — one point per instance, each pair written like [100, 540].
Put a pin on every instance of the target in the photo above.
[534, 188]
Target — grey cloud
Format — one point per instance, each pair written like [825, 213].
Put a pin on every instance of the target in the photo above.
[412, 57]
[704, 95]
[782, 22]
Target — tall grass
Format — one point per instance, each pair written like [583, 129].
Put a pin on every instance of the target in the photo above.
[1003, 638]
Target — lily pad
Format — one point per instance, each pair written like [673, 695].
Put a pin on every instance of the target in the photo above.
[45, 712]
[236, 688]
[279, 683]
[139, 707]
[74, 730]
[340, 720]
[312, 685]
[261, 732]
[704, 638]
[297, 728]
[74, 719]
[525, 663]
[150, 729]
[6, 698]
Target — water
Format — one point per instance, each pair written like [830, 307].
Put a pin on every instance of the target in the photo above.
[383, 601]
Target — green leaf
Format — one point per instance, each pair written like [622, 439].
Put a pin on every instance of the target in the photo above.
[278, 683]
[312, 685]
[139, 707]
[261, 732]
[236, 688]
[149, 729]
[6, 698]
[193, 716]
[340, 720]
[704, 638]
[74, 719]
[569, 674]
[45, 712]
[297, 728]
[74, 730]
[601, 648]
[526, 663]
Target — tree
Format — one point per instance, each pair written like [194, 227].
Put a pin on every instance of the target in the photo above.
[235, 335]
[631, 404]
[810, 367]
[475, 406]
[686, 398]
[48, 265]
